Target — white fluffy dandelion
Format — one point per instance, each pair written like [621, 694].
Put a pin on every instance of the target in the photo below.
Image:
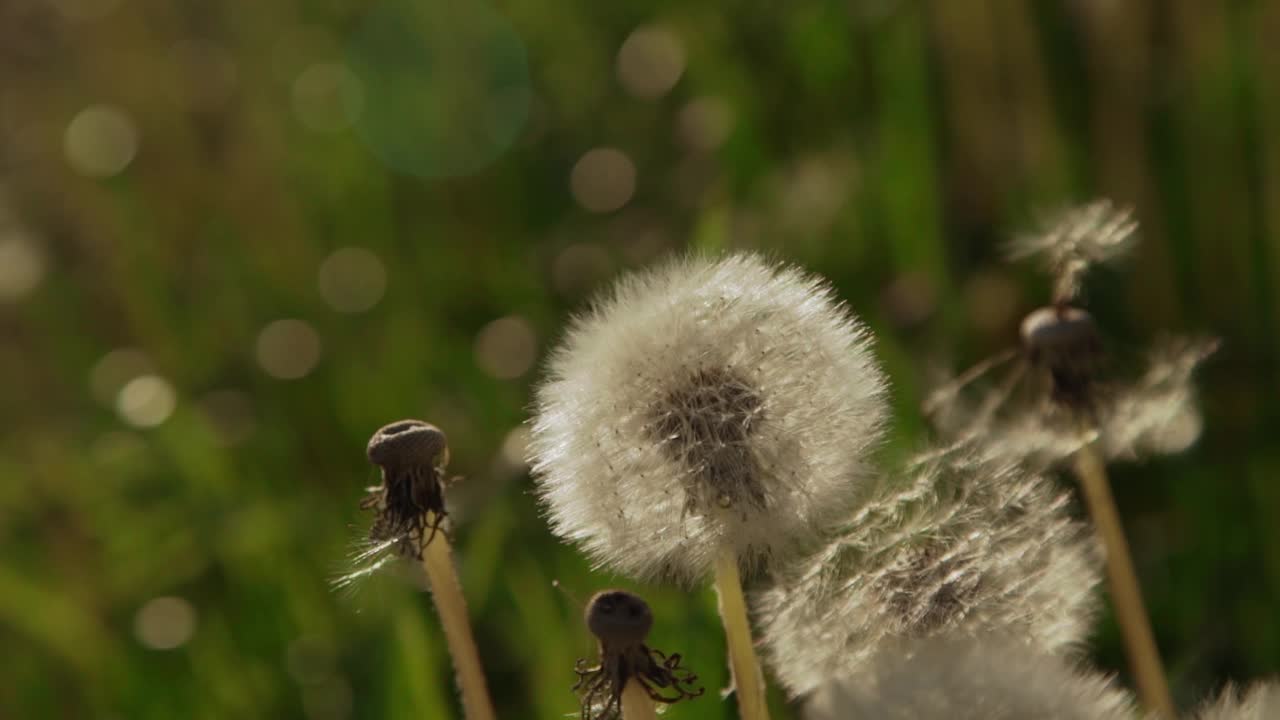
[1260, 702]
[708, 403]
[962, 546]
[971, 679]
[710, 414]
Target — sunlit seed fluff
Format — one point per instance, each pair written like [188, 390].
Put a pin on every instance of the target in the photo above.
[1260, 702]
[959, 544]
[708, 402]
[1156, 414]
[970, 679]
[1076, 239]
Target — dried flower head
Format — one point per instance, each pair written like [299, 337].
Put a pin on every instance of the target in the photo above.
[1260, 702]
[621, 621]
[709, 403]
[409, 503]
[959, 545]
[1069, 401]
[988, 678]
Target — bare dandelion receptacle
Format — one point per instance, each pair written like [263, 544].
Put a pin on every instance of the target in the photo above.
[621, 621]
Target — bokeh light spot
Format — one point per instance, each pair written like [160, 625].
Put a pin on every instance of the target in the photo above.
[208, 75]
[579, 268]
[330, 700]
[327, 97]
[288, 349]
[603, 180]
[446, 86]
[506, 347]
[230, 414]
[21, 264]
[100, 141]
[146, 401]
[352, 280]
[515, 447]
[704, 124]
[650, 62]
[115, 370]
[165, 623]
[299, 47]
[85, 9]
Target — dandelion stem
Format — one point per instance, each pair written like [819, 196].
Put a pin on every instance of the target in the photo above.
[452, 607]
[1140, 644]
[748, 682]
[636, 704]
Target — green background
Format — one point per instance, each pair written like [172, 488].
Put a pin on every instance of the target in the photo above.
[892, 146]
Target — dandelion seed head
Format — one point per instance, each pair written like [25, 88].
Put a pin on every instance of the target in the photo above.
[708, 402]
[988, 678]
[1077, 239]
[1260, 702]
[961, 544]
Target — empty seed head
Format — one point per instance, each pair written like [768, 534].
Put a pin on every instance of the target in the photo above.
[618, 617]
[621, 620]
[704, 404]
[410, 501]
[1062, 342]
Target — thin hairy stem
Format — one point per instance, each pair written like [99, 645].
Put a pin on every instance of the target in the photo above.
[636, 704]
[447, 593]
[748, 682]
[1140, 644]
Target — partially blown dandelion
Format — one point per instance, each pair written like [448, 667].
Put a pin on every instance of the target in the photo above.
[709, 415]
[988, 678]
[962, 546]
[631, 676]
[1077, 415]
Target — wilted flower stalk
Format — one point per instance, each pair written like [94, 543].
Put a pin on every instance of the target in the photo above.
[410, 511]
[631, 676]
[956, 544]
[706, 419]
[1079, 417]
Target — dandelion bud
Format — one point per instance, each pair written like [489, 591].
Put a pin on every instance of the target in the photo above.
[1261, 702]
[708, 404]
[989, 678]
[621, 621]
[962, 546]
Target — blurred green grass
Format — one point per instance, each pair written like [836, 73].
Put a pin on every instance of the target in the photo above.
[889, 145]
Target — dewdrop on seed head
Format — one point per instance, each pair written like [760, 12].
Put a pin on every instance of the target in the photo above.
[621, 621]
[961, 545]
[708, 403]
[987, 678]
